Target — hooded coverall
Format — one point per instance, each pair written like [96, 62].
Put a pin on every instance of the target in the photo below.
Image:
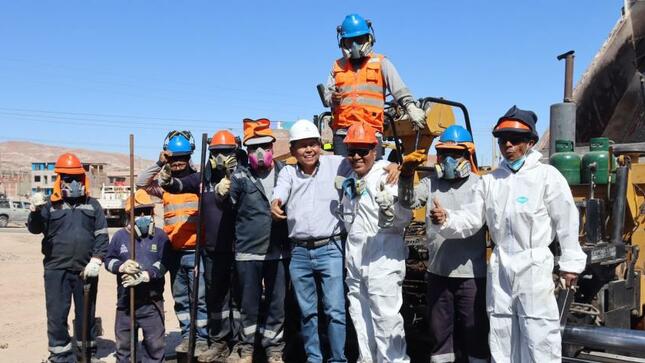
[524, 212]
[375, 261]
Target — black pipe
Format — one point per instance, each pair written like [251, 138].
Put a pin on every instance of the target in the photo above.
[618, 208]
[622, 340]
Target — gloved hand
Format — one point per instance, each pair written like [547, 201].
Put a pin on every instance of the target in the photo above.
[165, 175]
[417, 115]
[230, 163]
[223, 187]
[130, 267]
[129, 280]
[411, 161]
[37, 200]
[92, 268]
[385, 201]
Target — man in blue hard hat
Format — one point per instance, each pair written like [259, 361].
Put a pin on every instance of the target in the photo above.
[180, 224]
[359, 81]
[456, 273]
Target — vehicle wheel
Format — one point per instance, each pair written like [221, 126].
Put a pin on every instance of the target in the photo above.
[4, 220]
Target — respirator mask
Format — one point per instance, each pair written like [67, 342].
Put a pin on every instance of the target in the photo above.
[451, 168]
[260, 157]
[72, 186]
[144, 226]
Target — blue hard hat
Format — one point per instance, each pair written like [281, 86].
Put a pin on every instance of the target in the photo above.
[456, 134]
[354, 26]
[179, 143]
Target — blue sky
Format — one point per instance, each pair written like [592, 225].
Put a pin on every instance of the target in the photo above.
[88, 73]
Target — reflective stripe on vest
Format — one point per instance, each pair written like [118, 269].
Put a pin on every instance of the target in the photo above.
[180, 219]
[362, 92]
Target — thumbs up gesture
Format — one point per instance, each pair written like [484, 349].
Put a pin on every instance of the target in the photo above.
[437, 213]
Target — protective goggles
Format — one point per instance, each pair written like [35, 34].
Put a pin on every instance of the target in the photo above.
[68, 178]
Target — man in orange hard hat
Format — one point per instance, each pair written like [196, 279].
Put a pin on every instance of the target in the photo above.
[261, 247]
[219, 235]
[75, 240]
[375, 251]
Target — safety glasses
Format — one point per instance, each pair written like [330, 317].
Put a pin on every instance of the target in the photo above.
[266, 146]
[68, 178]
[513, 139]
[360, 151]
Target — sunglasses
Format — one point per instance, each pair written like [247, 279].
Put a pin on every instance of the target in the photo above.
[515, 140]
[266, 146]
[361, 152]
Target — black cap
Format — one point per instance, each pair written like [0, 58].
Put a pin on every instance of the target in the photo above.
[528, 118]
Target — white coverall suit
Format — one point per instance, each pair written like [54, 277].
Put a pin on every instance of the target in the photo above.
[375, 261]
[524, 212]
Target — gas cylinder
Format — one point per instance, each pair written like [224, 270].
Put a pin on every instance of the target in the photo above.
[599, 154]
[566, 161]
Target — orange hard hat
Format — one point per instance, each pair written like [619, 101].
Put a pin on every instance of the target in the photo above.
[361, 133]
[223, 139]
[257, 131]
[141, 200]
[68, 163]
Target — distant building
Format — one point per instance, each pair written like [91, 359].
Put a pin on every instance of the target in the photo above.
[14, 183]
[43, 177]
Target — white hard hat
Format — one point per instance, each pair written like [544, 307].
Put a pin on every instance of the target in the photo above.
[303, 129]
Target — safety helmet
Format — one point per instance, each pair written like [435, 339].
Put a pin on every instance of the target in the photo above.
[141, 200]
[257, 131]
[361, 133]
[354, 25]
[457, 134]
[222, 139]
[179, 143]
[303, 129]
[517, 121]
[68, 163]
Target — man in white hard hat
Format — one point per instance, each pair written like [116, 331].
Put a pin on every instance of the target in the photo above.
[305, 195]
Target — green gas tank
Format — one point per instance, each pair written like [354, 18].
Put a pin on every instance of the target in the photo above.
[566, 161]
[599, 154]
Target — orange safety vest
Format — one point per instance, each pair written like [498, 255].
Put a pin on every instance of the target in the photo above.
[181, 219]
[362, 91]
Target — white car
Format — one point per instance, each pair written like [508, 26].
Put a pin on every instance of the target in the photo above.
[13, 211]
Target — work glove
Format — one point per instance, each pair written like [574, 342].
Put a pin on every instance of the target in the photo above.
[223, 187]
[417, 115]
[37, 200]
[412, 161]
[230, 164]
[130, 267]
[92, 268]
[129, 280]
[385, 201]
[165, 175]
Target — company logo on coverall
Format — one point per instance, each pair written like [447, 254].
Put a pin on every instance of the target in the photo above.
[522, 199]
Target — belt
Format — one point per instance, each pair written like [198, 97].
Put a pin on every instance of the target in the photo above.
[315, 243]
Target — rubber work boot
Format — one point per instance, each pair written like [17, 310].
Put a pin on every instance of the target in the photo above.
[201, 347]
[182, 347]
[217, 353]
[275, 357]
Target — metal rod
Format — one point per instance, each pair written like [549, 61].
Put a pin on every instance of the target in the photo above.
[196, 270]
[618, 209]
[622, 340]
[568, 74]
[86, 317]
[133, 256]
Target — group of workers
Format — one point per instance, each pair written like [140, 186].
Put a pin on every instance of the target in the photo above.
[327, 228]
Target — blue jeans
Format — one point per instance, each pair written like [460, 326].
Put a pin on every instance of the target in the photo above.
[181, 277]
[323, 265]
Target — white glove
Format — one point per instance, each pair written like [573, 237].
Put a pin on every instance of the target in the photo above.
[417, 115]
[130, 267]
[165, 175]
[92, 268]
[223, 187]
[129, 280]
[230, 163]
[37, 200]
[385, 201]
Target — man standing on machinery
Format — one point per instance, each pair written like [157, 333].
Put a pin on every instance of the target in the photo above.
[456, 273]
[359, 82]
[525, 204]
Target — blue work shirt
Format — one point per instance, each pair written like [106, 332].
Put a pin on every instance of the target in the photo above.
[151, 254]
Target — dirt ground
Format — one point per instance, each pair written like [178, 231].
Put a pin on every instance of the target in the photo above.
[23, 333]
